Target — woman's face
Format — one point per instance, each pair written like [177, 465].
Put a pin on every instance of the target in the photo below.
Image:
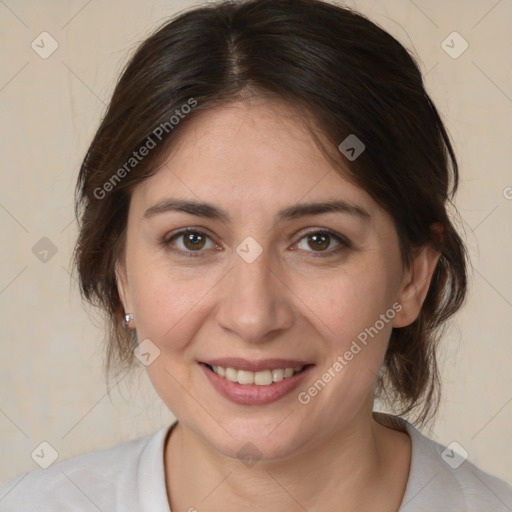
[260, 283]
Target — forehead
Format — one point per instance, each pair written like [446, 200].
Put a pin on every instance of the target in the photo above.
[248, 154]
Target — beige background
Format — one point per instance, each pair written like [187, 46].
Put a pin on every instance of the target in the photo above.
[52, 387]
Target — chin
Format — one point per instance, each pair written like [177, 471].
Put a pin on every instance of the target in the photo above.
[256, 439]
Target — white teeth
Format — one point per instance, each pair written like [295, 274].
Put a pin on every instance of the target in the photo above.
[231, 374]
[245, 377]
[277, 375]
[261, 378]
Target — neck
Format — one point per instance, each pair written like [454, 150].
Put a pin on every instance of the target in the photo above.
[349, 471]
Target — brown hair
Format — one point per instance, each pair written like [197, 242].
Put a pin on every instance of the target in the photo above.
[347, 76]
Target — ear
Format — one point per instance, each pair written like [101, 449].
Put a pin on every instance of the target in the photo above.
[123, 287]
[416, 282]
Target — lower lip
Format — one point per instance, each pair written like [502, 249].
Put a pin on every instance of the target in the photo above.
[251, 394]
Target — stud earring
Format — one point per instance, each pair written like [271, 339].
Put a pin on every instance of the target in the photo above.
[126, 320]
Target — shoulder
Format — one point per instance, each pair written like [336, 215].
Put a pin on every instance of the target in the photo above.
[102, 479]
[442, 478]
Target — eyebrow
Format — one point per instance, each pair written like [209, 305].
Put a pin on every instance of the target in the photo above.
[209, 211]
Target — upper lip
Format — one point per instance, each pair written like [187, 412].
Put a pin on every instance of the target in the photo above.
[255, 366]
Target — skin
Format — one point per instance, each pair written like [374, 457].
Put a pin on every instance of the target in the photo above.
[253, 159]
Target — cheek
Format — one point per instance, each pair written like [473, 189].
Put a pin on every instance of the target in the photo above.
[354, 313]
[165, 296]
[350, 301]
[169, 309]
[355, 317]
[165, 307]
[171, 303]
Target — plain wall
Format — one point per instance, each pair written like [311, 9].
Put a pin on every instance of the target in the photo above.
[51, 366]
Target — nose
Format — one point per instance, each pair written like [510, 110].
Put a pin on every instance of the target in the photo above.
[255, 303]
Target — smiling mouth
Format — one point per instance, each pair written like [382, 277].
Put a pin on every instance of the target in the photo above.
[259, 378]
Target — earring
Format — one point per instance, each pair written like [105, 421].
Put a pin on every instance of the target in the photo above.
[126, 320]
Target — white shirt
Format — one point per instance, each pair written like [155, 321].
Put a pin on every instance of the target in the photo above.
[130, 477]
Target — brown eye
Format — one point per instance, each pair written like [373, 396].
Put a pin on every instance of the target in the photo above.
[189, 242]
[325, 243]
[193, 240]
[319, 241]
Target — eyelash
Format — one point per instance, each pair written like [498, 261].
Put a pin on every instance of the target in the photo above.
[344, 243]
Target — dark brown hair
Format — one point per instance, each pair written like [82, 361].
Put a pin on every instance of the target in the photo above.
[346, 76]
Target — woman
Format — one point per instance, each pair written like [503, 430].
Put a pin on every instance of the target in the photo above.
[263, 219]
